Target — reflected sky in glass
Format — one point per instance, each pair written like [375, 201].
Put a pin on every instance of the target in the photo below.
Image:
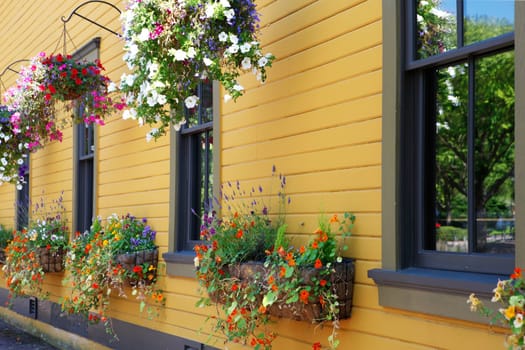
[492, 8]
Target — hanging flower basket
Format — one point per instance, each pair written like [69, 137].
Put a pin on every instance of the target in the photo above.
[140, 266]
[51, 260]
[49, 80]
[172, 46]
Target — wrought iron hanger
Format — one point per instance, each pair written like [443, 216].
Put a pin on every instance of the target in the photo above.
[74, 12]
[8, 68]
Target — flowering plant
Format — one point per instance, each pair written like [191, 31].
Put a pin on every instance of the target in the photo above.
[510, 294]
[23, 272]
[14, 149]
[95, 274]
[45, 82]
[36, 250]
[173, 45]
[248, 266]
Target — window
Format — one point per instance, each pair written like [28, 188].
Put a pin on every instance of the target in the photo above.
[459, 103]
[84, 182]
[22, 197]
[452, 159]
[84, 157]
[195, 168]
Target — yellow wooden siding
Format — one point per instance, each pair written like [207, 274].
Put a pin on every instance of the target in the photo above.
[317, 118]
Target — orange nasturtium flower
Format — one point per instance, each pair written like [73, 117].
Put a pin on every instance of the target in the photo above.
[318, 264]
[304, 295]
[334, 218]
[516, 274]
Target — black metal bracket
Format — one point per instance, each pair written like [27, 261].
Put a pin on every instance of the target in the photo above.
[8, 68]
[74, 12]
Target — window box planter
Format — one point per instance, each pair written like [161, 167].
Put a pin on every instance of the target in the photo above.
[51, 260]
[341, 278]
[129, 261]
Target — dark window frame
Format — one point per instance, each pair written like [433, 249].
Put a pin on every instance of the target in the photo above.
[400, 284]
[179, 258]
[84, 158]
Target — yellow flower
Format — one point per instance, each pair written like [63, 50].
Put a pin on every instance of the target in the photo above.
[510, 312]
[105, 243]
[474, 302]
[496, 297]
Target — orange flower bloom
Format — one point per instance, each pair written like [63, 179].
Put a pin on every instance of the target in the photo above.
[322, 283]
[516, 274]
[271, 280]
[334, 218]
[239, 234]
[262, 309]
[304, 295]
[316, 346]
[318, 264]
[282, 272]
[302, 249]
[274, 287]
[315, 245]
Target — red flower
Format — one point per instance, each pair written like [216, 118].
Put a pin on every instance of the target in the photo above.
[315, 245]
[516, 274]
[137, 269]
[78, 81]
[84, 71]
[239, 234]
[48, 247]
[59, 58]
[74, 72]
[322, 283]
[47, 97]
[304, 295]
[95, 285]
[438, 225]
[235, 287]
[52, 89]
[316, 346]
[318, 264]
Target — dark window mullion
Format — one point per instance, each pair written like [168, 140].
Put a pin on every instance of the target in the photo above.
[410, 28]
[471, 171]
[460, 23]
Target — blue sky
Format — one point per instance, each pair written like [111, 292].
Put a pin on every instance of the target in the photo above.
[495, 8]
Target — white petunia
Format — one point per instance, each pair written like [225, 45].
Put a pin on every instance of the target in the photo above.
[238, 87]
[229, 14]
[161, 100]
[245, 47]
[227, 97]
[191, 52]
[112, 87]
[179, 55]
[149, 135]
[144, 34]
[130, 79]
[223, 37]
[210, 10]
[129, 114]
[179, 125]
[225, 3]
[191, 101]
[246, 63]
[233, 49]
[19, 187]
[234, 39]
[20, 161]
[207, 61]
[263, 61]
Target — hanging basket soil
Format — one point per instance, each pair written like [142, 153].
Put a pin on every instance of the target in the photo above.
[128, 261]
[51, 260]
[341, 279]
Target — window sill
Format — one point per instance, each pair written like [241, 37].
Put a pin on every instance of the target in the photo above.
[179, 264]
[412, 289]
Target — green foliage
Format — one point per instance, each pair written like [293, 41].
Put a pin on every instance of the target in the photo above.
[451, 233]
[6, 235]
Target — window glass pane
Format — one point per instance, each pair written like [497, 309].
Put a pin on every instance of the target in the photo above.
[485, 19]
[451, 175]
[494, 153]
[206, 102]
[436, 27]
